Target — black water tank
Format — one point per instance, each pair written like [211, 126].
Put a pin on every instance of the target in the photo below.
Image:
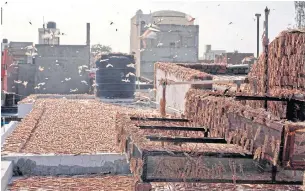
[110, 77]
[51, 25]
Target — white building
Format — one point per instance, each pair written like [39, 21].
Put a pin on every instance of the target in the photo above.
[210, 54]
[174, 40]
[49, 35]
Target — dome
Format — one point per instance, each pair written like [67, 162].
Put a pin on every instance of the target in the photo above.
[168, 13]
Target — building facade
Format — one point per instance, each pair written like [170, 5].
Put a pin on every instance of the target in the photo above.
[47, 67]
[16, 57]
[176, 40]
[49, 34]
[210, 54]
[232, 57]
[4, 62]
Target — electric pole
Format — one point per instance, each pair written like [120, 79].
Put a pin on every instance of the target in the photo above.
[257, 36]
[266, 43]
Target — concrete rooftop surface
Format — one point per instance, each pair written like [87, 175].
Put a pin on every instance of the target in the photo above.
[126, 183]
[66, 126]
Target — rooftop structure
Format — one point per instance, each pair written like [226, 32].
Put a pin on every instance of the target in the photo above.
[175, 40]
[49, 34]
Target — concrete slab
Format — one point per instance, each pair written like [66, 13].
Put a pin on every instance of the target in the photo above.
[116, 100]
[6, 130]
[238, 66]
[43, 165]
[6, 173]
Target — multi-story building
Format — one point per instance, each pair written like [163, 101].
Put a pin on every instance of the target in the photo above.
[49, 35]
[232, 57]
[210, 54]
[176, 40]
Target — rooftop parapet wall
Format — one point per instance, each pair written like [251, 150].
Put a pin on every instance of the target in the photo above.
[175, 94]
[286, 63]
[286, 72]
[33, 97]
[213, 68]
[242, 125]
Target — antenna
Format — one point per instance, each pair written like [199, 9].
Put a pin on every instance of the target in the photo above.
[1, 15]
[44, 29]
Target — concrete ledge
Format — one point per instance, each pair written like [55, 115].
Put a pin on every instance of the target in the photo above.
[71, 96]
[24, 109]
[245, 66]
[6, 130]
[116, 100]
[6, 174]
[52, 165]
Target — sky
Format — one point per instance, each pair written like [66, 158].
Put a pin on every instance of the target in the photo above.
[71, 18]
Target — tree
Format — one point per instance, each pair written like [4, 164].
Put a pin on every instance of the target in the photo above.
[98, 48]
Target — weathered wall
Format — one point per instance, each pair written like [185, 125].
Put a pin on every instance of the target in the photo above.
[219, 68]
[17, 58]
[42, 165]
[60, 62]
[6, 174]
[185, 48]
[12, 74]
[175, 94]
[6, 130]
[26, 72]
[24, 109]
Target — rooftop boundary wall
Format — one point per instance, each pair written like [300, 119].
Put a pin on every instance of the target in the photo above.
[175, 94]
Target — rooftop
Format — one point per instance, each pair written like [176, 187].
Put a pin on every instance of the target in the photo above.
[67, 126]
[126, 183]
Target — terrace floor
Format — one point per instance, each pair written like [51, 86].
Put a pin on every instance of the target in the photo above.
[66, 126]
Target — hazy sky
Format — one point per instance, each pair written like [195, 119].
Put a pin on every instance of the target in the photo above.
[71, 17]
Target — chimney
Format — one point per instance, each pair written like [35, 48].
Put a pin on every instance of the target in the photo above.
[88, 34]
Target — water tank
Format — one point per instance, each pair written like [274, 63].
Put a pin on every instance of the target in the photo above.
[115, 78]
[51, 25]
[208, 48]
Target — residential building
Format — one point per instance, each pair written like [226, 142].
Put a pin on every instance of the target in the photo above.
[49, 35]
[16, 56]
[176, 40]
[232, 57]
[53, 69]
[210, 54]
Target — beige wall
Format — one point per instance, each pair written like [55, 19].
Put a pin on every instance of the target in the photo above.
[173, 20]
